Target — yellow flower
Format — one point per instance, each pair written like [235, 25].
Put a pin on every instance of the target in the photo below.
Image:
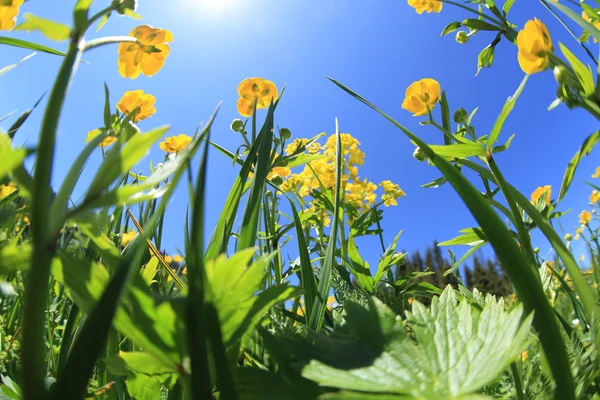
[7, 190]
[361, 194]
[138, 101]
[585, 217]
[106, 142]
[582, 258]
[283, 172]
[422, 96]
[175, 144]
[148, 55]
[596, 24]
[292, 183]
[294, 146]
[426, 5]
[524, 355]
[168, 259]
[127, 237]
[535, 45]
[9, 9]
[597, 174]
[330, 302]
[392, 192]
[578, 232]
[535, 196]
[255, 88]
[177, 258]
[595, 197]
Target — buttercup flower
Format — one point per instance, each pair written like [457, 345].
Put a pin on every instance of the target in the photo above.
[7, 190]
[255, 88]
[127, 237]
[535, 196]
[578, 232]
[422, 96]
[392, 192]
[535, 45]
[9, 9]
[597, 173]
[426, 5]
[585, 217]
[596, 24]
[175, 144]
[137, 100]
[106, 142]
[148, 55]
[595, 197]
[292, 183]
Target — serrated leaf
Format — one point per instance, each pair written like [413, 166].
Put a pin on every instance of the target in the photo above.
[51, 29]
[460, 350]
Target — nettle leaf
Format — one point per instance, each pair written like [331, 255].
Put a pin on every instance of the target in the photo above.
[460, 349]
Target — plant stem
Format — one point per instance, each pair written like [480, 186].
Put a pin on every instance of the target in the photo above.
[33, 348]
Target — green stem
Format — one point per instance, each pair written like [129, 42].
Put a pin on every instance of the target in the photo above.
[494, 20]
[99, 15]
[33, 347]
[108, 40]
[518, 381]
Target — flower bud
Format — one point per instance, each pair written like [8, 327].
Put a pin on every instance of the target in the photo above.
[568, 237]
[536, 250]
[460, 116]
[285, 133]
[561, 74]
[237, 125]
[462, 37]
[419, 155]
[127, 5]
[276, 179]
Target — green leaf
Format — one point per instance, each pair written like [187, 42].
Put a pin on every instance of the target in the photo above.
[505, 146]
[423, 289]
[458, 263]
[451, 27]
[469, 237]
[51, 29]
[507, 6]
[595, 32]
[119, 161]
[80, 14]
[583, 73]
[11, 158]
[300, 159]
[445, 116]
[508, 107]
[359, 268]
[29, 45]
[460, 350]
[586, 148]
[390, 259]
[479, 25]
[15, 257]
[459, 150]
[485, 59]
[22, 118]
[149, 270]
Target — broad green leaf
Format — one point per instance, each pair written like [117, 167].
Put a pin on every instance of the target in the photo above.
[51, 29]
[451, 27]
[12, 66]
[435, 183]
[583, 73]
[459, 150]
[119, 161]
[469, 237]
[586, 148]
[11, 158]
[359, 268]
[29, 45]
[15, 257]
[460, 349]
[508, 106]
[480, 25]
[390, 259]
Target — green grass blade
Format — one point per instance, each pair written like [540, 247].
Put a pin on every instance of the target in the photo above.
[516, 266]
[508, 107]
[21, 120]
[586, 148]
[588, 26]
[307, 276]
[30, 45]
[318, 312]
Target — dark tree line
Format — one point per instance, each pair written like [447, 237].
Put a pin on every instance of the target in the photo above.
[477, 272]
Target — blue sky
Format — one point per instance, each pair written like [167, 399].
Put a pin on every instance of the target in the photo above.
[376, 47]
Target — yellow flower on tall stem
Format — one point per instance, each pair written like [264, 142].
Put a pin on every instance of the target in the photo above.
[255, 89]
[597, 173]
[535, 46]
[175, 144]
[537, 194]
[148, 55]
[421, 96]
[138, 101]
[9, 9]
[585, 217]
[426, 5]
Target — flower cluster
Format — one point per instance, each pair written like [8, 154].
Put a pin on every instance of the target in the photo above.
[7, 190]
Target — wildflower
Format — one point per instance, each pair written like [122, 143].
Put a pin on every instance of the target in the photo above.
[107, 140]
[392, 192]
[568, 237]
[578, 232]
[7, 190]
[422, 96]
[582, 258]
[313, 148]
[541, 190]
[177, 258]
[361, 194]
[585, 217]
[9, 9]
[597, 173]
[426, 5]
[139, 102]
[330, 302]
[175, 144]
[283, 172]
[127, 237]
[524, 355]
[587, 18]
[295, 146]
[462, 37]
[595, 197]
[350, 149]
[292, 184]
[148, 55]
[255, 89]
[168, 259]
[535, 45]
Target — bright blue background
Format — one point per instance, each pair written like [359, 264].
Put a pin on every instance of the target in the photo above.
[376, 47]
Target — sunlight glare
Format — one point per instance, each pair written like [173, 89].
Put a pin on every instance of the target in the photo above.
[212, 8]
